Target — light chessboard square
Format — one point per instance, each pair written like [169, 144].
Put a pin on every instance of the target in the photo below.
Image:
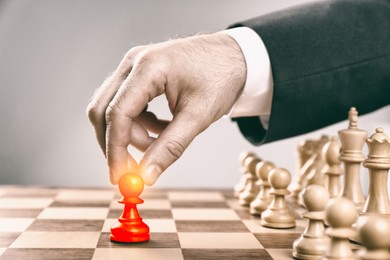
[204, 214]
[25, 203]
[56, 240]
[15, 224]
[85, 195]
[218, 240]
[73, 213]
[138, 253]
[195, 196]
[280, 254]
[2, 250]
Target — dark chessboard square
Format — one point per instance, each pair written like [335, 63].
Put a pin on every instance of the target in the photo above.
[228, 194]
[55, 225]
[7, 238]
[277, 240]
[144, 213]
[199, 204]
[226, 254]
[19, 213]
[49, 254]
[157, 240]
[70, 203]
[210, 226]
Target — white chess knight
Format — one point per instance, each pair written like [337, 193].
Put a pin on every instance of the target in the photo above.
[251, 189]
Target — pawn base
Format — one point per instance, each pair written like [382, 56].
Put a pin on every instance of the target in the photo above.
[277, 219]
[129, 231]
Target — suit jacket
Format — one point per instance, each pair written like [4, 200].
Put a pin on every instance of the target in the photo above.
[325, 57]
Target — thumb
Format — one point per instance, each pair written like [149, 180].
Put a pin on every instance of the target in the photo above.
[169, 146]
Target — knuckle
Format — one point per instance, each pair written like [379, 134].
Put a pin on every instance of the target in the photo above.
[175, 149]
[134, 51]
[93, 113]
[111, 112]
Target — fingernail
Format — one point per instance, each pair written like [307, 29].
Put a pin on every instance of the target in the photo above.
[151, 174]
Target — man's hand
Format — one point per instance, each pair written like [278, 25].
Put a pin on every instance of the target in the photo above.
[201, 76]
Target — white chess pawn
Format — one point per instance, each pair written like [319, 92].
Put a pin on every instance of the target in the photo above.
[264, 198]
[341, 214]
[334, 170]
[278, 214]
[251, 189]
[375, 235]
[313, 243]
[242, 182]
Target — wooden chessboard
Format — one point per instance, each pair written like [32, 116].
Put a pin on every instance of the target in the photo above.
[50, 223]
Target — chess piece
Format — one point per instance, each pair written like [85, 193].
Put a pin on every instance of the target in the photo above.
[251, 189]
[130, 227]
[264, 198]
[320, 165]
[334, 168]
[340, 215]
[240, 186]
[375, 235]
[309, 161]
[313, 243]
[278, 214]
[316, 172]
[378, 164]
[352, 141]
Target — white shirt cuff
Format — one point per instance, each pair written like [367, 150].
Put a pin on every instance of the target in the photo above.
[256, 98]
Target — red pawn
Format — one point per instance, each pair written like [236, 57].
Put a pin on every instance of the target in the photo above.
[130, 227]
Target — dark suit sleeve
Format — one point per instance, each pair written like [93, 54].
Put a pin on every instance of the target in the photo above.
[325, 58]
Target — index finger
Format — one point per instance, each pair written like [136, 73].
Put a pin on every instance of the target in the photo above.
[134, 94]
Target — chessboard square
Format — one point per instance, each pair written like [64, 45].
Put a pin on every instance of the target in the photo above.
[29, 192]
[157, 240]
[80, 203]
[48, 253]
[233, 204]
[195, 196]
[210, 226]
[226, 254]
[7, 238]
[25, 203]
[218, 240]
[19, 213]
[280, 254]
[244, 214]
[2, 250]
[155, 204]
[204, 214]
[52, 225]
[199, 204]
[138, 253]
[15, 224]
[254, 226]
[155, 225]
[277, 240]
[85, 195]
[73, 213]
[56, 240]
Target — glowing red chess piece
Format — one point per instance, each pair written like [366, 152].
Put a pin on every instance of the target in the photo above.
[130, 227]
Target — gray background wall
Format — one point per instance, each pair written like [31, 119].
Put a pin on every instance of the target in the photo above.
[54, 54]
